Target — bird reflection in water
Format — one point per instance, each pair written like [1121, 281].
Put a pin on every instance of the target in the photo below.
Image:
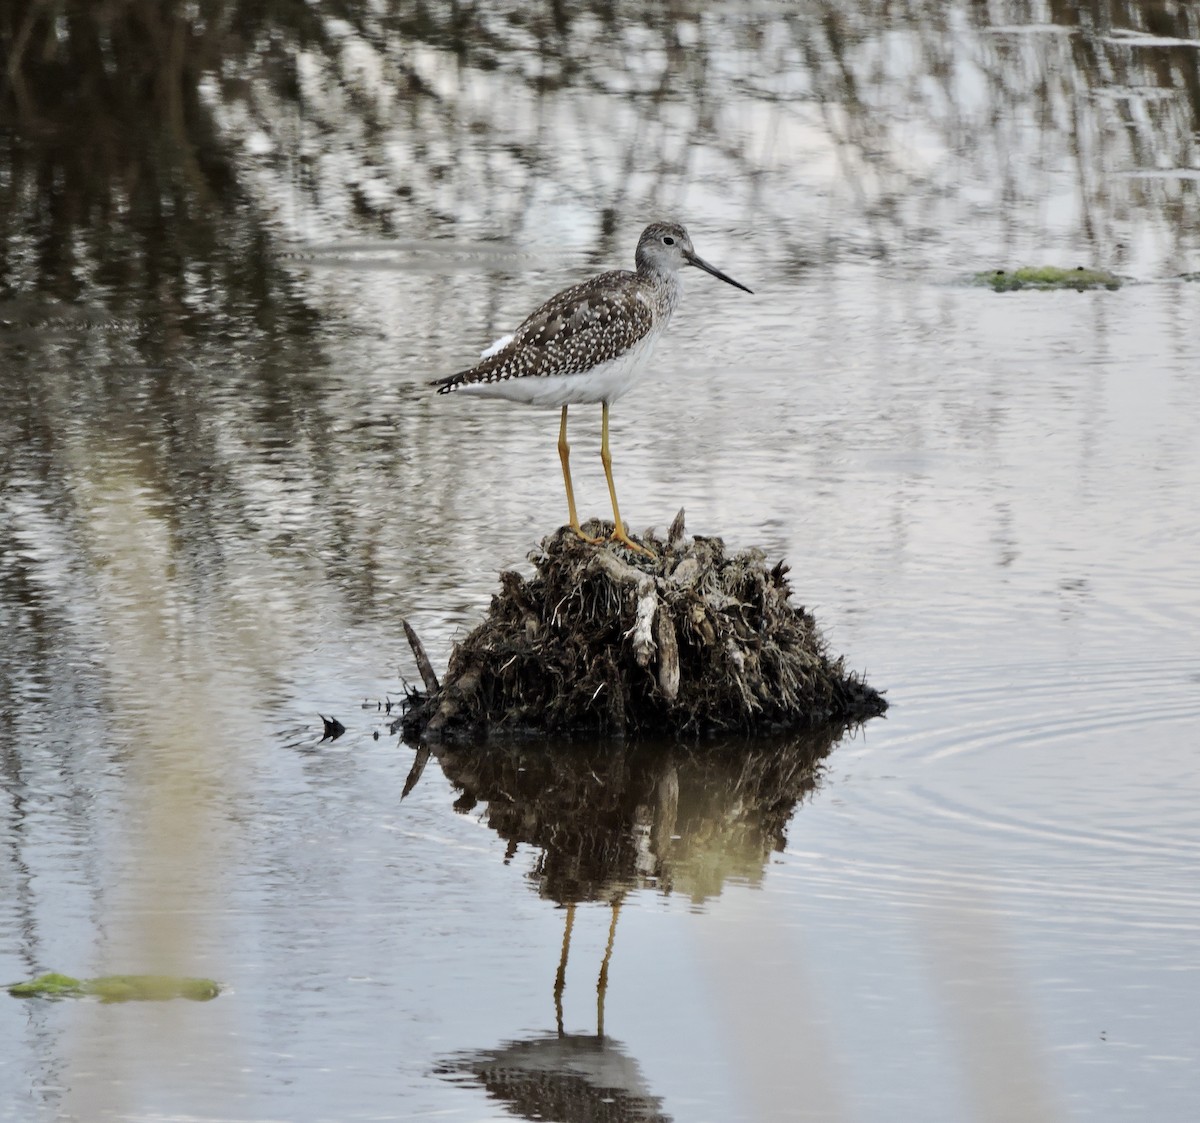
[567, 1077]
[607, 820]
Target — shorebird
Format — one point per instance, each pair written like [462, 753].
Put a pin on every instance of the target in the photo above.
[587, 344]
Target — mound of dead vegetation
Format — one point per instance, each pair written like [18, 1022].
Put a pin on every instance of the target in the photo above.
[601, 640]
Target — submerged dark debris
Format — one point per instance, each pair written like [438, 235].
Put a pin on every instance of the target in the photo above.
[600, 640]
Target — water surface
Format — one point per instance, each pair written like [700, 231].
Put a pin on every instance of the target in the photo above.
[228, 270]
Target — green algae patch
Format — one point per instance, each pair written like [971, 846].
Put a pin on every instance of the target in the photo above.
[51, 985]
[1047, 277]
[117, 988]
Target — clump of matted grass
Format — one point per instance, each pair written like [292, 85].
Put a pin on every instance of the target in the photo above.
[695, 640]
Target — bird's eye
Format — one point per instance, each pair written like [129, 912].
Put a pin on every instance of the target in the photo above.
[668, 240]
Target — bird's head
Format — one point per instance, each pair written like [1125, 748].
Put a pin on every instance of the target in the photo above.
[665, 248]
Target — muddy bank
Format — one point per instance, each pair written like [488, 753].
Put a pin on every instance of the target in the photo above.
[599, 640]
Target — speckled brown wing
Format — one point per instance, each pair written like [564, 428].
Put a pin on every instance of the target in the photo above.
[574, 331]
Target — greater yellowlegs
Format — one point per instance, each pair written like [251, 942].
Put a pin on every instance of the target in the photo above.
[587, 345]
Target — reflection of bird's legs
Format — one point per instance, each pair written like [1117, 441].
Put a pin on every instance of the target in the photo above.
[602, 983]
[618, 533]
[564, 454]
[560, 980]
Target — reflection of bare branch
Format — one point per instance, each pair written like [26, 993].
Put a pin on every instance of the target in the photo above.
[476, 99]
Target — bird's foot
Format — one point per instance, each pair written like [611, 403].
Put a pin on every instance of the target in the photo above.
[587, 537]
[619, 535]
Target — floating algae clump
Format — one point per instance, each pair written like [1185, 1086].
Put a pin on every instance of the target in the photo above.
[1048, 277]
[117, 988]
[696, 640]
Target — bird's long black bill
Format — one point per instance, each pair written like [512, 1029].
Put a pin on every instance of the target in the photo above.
[700, 263]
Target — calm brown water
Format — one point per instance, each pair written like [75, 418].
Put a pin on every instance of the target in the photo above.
[228, 267]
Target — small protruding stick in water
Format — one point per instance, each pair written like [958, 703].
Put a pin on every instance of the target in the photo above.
[418, 766]
[428, 677]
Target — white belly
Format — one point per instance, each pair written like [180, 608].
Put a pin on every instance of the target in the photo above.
[604, 383]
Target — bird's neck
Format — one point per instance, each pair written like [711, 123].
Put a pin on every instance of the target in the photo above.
[664, 290]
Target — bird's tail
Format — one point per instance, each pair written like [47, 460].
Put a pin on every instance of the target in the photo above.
[450, 382]
[454, 381]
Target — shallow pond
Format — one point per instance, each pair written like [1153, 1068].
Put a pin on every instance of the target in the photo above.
[225, 481]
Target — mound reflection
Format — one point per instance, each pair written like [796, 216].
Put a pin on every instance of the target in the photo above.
[612, 817]
[604, 820]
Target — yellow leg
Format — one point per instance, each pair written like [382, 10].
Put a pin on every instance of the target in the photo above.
[618, 533]
[564, 454]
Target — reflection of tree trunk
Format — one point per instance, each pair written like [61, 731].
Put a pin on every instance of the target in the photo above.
[14, 71]
[108, 135]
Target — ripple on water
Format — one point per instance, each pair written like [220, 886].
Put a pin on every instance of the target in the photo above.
[1055, 793]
